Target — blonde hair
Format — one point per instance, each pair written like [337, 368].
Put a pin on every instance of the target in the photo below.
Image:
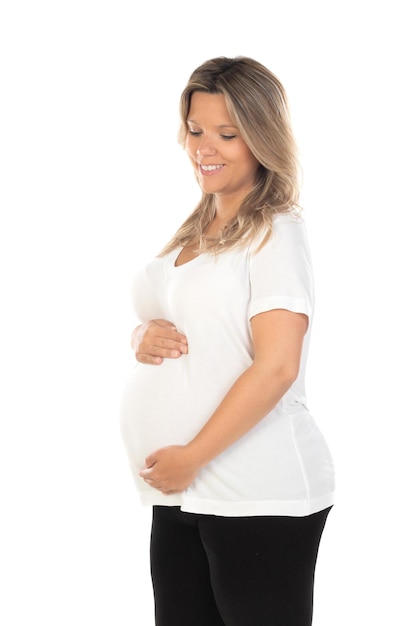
[257, 103]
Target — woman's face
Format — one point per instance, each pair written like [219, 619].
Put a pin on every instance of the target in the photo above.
[223, 163]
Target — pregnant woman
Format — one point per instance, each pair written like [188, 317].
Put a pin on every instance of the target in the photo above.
[214, 417]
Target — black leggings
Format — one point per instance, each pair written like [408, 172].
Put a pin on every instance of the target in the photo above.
[233, 571]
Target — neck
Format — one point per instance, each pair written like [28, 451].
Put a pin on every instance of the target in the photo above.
[221, 219]
[227, 207]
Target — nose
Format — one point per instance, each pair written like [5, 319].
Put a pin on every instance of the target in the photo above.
[205, 147]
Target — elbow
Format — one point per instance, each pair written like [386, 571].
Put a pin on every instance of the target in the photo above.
[289, 376]
[285, 376]
[277, 377]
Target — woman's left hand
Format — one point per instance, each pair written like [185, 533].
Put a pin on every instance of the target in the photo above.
[170, 470]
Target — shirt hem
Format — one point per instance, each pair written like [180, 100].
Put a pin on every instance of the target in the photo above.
[290, 508]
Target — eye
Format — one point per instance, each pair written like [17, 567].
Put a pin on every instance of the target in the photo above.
[228, 137]
[194, 133]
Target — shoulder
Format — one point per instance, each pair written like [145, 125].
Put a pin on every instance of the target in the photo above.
[287, 221]
[286, 229]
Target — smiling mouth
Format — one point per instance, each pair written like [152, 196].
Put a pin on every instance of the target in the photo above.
[210, 168]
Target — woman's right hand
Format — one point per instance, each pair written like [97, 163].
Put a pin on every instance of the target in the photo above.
[156, 340]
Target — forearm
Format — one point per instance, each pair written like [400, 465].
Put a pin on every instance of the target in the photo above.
[249, 400]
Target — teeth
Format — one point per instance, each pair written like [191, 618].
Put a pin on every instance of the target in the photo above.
[210, 168]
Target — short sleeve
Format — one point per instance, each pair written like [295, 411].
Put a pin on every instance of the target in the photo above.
[280, 272]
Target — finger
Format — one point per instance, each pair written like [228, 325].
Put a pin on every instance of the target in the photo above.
[164, 323]
[146, 474]
[158, 486]
[165, 342]
[160, 346]
[155, 355]
[149, 463]
[163, 328]
[148, 359]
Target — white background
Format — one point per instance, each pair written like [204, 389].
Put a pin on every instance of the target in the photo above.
[92, 185]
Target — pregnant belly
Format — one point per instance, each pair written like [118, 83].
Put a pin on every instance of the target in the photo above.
[161, 406]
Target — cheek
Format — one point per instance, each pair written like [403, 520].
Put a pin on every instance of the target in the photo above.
[244, 155]
[190, 147]
[191, 156]
[252, 163]
[188, 150]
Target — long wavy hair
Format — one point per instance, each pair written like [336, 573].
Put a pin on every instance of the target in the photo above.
[257, 103]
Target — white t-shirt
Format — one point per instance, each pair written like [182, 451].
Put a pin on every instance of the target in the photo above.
[282, 466]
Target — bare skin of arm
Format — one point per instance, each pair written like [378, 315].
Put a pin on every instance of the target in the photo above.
[156, 340]
[278, 339]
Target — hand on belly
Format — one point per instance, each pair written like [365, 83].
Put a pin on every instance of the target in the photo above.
[170, 470]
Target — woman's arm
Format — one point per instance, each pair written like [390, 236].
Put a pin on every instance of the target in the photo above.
[277, 339]
[156, 340]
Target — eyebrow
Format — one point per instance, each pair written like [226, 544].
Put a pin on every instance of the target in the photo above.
[219, 126]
